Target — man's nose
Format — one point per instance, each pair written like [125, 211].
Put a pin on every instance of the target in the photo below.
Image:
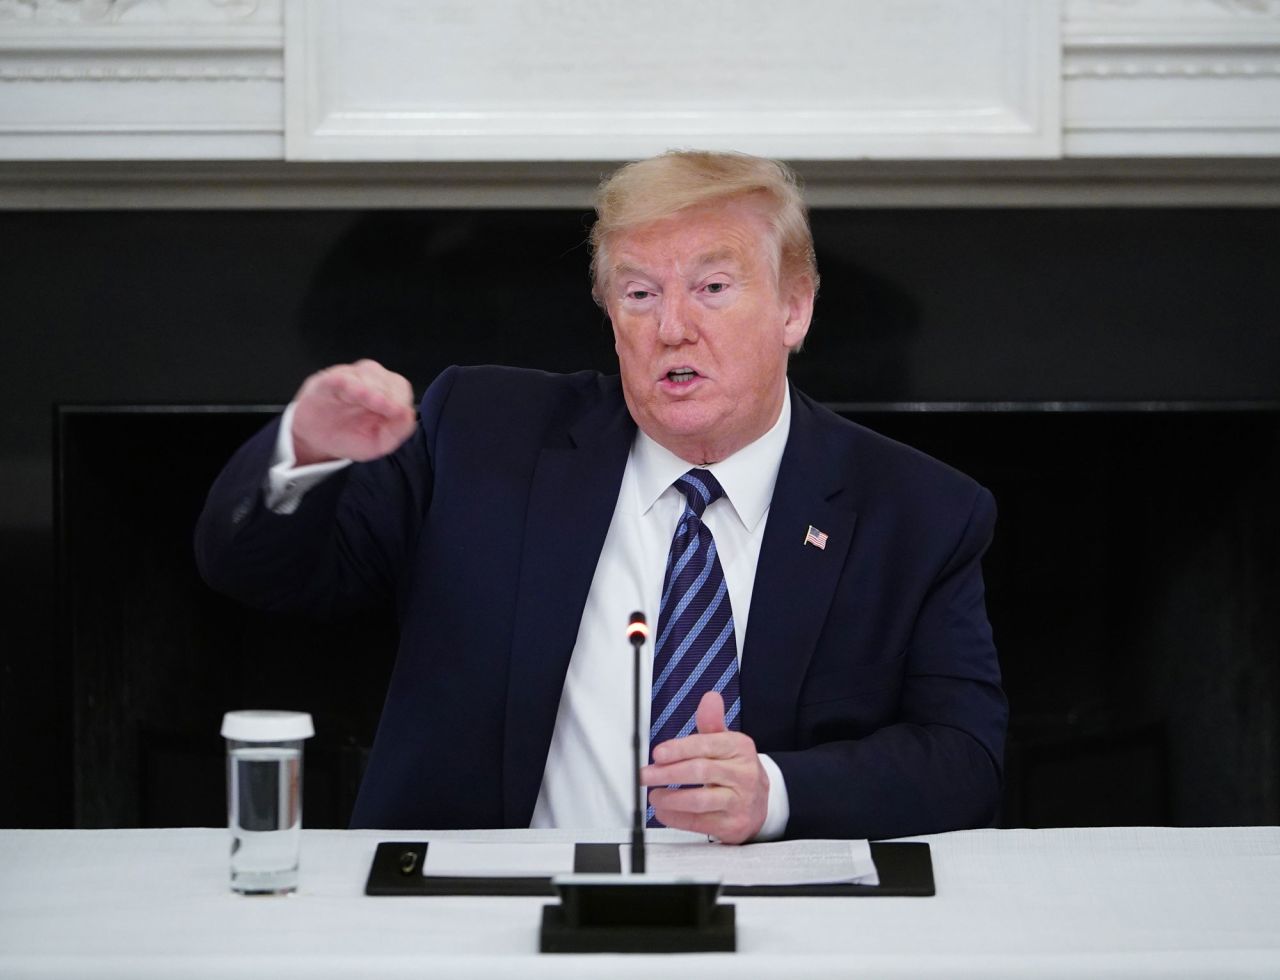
[677, 322]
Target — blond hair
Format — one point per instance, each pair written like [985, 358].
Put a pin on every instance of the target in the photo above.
[656, 188]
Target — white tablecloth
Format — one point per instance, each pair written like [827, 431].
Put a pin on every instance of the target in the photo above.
[1156, 902]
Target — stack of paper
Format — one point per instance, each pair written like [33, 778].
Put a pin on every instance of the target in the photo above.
[799, 862]
[792, 862]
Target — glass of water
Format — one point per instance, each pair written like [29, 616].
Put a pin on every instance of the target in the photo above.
[264, 798]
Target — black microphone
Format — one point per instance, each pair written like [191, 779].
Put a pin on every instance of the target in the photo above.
[637, 633]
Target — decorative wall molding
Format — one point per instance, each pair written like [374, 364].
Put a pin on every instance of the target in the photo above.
[1164, 67]
[587, 79]
[138, 12]
[1171, 77]
[448, 80]
[1165, 21]
[185, 57]
[258, 185]
[141, 79]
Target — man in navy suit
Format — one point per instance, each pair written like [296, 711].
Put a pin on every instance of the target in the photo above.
[525, 515]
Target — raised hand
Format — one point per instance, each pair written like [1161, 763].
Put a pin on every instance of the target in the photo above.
[732, 800]
[357, 411]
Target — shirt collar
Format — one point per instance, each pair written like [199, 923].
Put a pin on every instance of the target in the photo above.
[747, 476]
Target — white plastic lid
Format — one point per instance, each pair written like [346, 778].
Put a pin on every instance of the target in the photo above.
[267, 726]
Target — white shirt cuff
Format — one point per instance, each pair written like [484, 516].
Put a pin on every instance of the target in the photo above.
[775, 821]
[288, 483]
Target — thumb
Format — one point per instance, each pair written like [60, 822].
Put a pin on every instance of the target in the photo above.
[710, 714]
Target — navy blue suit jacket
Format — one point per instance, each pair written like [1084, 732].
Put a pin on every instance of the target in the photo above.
[868, 669]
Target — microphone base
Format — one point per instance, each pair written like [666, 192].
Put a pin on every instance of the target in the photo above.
[608, 914]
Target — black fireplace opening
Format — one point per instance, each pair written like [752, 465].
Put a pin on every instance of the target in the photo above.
[1112, 374]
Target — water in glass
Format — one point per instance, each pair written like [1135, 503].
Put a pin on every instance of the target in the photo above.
[264, 796]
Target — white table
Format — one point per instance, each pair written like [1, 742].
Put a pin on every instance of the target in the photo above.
[1122, 902]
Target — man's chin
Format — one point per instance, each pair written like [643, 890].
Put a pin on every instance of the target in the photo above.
[687, 420]
[690, 435]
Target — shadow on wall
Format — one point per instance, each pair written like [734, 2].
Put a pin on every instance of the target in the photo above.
[419, 291]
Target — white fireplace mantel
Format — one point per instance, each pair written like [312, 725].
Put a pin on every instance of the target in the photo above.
[522, 100]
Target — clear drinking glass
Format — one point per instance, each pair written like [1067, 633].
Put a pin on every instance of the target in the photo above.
[264, 798]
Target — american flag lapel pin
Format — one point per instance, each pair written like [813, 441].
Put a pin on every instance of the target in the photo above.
[816, 538]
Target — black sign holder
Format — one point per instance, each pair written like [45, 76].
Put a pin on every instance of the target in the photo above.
[602, 910]
[615, 913]
[905, 869]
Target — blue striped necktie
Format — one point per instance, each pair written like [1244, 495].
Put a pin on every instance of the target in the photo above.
[696, 650]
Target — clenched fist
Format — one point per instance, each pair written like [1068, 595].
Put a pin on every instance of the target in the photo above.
[357, 411]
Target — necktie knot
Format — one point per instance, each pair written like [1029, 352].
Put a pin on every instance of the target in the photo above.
[700, 489]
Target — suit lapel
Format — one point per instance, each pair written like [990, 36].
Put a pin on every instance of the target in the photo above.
[795, 581]
[571, 503]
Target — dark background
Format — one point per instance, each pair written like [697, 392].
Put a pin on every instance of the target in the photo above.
[1132, 583]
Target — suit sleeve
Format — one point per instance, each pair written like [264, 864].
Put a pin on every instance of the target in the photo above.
[345, 546]
[938, 765]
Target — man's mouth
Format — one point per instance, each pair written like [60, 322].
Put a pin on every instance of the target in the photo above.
[681, 375]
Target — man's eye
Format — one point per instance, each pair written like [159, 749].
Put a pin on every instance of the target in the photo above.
[717, 287]
[638, 294]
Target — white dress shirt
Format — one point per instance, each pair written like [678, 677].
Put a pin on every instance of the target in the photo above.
[587, 783]
[287, 482]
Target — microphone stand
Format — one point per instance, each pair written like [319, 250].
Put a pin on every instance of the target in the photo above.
[637, 630]
[639, 913]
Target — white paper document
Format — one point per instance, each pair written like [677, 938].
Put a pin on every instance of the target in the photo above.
[796, 862]
[792, 862]
[468, 859]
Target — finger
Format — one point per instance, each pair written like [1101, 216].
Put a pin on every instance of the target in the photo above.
[392, 398]
[710, 715]
[699, 772]
[395, 386]
[335, 383]
[700, 799]
[402, 391]
[355, 383]
[698, 823]
[689, 772]
[722, 824]
[352, 389]
[716, 745]
[710, 721]
[726, 817]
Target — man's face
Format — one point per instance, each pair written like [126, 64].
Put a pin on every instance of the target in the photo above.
[702, 328]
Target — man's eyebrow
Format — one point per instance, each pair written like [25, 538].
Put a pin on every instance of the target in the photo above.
[717, 255]
[630, 270]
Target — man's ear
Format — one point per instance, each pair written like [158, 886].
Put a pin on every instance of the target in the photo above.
[799, 308]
